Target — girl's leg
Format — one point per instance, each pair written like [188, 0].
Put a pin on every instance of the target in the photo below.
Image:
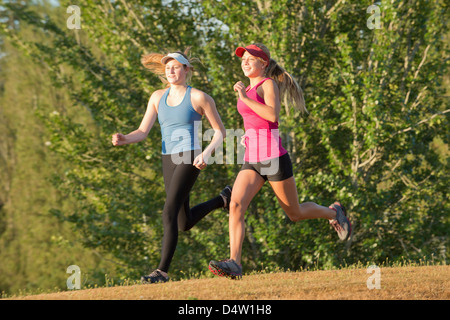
[177, 215]
[246, 186]
[286, 192]
[188, 217]
[179, 180]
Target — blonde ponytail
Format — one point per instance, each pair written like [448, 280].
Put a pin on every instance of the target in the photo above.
[290, 91]
[152, 61]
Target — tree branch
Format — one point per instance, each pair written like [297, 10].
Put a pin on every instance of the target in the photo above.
[422, 121]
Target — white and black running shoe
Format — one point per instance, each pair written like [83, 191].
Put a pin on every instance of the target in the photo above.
[341, 223]
[226, 268]
[154, 277]
[226, 196]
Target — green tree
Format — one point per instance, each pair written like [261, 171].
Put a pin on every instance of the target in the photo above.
[376, 109]
[376, 105]
[35, 247]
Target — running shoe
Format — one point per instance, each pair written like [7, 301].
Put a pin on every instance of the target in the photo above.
[226, 268]
[341, 223]
[226, 196]
[154, 277]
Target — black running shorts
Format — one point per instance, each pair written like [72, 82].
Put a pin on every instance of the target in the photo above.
[277, 169]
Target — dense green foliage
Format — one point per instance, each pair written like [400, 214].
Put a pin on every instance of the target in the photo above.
[375, 136]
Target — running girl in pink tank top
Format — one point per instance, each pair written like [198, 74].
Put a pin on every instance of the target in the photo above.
[265, 158]
[262, 140]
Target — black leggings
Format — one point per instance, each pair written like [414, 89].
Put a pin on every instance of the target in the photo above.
[177, 215]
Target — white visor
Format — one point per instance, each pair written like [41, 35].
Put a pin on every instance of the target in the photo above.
[177, 57]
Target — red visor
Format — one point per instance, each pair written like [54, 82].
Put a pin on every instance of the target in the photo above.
[253, 50]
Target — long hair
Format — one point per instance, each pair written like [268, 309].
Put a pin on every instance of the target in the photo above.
[290, 91]
[152, 61]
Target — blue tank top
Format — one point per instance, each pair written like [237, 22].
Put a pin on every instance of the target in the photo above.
[179, 124]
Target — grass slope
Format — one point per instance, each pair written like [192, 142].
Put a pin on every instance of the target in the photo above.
[416, 283]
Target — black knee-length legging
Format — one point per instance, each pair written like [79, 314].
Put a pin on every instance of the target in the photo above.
[177, 215]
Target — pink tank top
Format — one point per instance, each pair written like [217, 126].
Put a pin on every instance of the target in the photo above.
[262, 138]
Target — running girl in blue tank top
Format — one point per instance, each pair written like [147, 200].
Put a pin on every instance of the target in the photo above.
[179, 109]
[179, 124]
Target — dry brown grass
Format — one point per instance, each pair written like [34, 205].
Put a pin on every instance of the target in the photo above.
[400, 283]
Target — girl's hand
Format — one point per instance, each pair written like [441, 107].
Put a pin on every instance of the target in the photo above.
[239, 87]
[118, 139]
[200, 161]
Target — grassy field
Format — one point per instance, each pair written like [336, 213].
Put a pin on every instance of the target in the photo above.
[396, 283]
